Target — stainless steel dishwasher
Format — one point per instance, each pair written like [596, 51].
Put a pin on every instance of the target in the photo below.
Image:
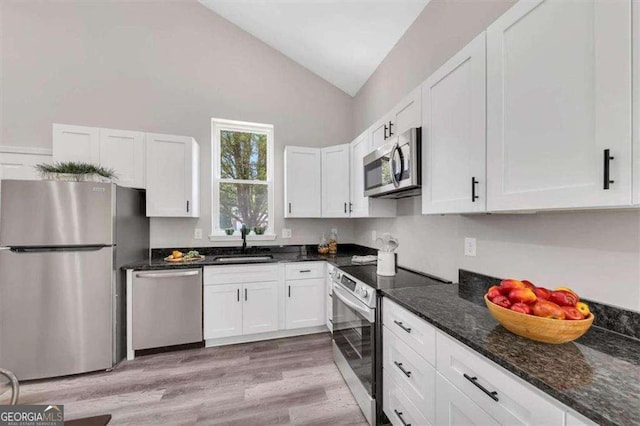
[167, 308]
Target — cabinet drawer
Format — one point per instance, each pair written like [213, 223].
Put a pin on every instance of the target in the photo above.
[454, 408]
[412, 330]
[305, 270]
[412, 374]
[517, 402]
[214, 275]
[398, 407]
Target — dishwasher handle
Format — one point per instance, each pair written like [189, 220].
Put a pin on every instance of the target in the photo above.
[167, 274]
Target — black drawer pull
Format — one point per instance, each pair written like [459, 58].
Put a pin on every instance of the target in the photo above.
[399, 365]
[493, 395]
[607, 169]
[399, 414]
[401, 325]
[474, 182]
[305, 270]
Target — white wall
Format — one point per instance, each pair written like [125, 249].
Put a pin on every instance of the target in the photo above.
[165, 67]
[597, 253]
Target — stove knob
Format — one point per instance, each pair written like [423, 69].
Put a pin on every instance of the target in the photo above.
[364, 292]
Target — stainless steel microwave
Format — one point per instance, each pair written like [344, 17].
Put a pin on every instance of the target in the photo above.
[394, 169]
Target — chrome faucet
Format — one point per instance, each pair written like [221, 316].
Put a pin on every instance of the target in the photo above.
[244, 232]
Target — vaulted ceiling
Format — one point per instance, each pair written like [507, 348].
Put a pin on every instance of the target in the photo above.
[342, 41]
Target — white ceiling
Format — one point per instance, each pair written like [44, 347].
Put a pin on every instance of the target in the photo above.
[343, 41]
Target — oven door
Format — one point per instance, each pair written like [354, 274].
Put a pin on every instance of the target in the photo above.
[353, 335]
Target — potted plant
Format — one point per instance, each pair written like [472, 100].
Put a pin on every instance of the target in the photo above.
[75, 172]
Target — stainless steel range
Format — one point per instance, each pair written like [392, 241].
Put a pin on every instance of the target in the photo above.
[354, 342]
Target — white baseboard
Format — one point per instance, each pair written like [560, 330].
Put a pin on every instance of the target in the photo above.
[210, 343]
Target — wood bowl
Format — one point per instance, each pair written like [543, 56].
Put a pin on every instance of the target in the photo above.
[537, 328]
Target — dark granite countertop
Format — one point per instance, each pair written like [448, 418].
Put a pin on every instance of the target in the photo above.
[597, 375]
[279, 254]
[404, 277]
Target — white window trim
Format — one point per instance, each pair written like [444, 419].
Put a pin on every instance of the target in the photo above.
[218, 124]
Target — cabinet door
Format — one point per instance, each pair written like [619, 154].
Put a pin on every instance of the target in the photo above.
[406, 114]
[302, 186]
[76, 143]
[222, 311]
[454, 408]
[558, 101]
[454, 134]
[260, 309]
[123, 151]
[21, 165]
[172, 176]
[379, 133]
[305, 303]
[335, 181]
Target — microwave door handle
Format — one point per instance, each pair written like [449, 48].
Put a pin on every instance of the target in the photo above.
[395, 148]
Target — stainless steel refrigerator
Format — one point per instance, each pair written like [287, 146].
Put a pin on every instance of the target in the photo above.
[62, 294]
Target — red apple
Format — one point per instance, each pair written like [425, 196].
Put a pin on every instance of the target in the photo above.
[542, 293]
[493, 292]
[522, 295]
[563, 298]
[572, 313]
[523, 308]
[502, 301]
[546, 309]
[507, 285]
[528, 284]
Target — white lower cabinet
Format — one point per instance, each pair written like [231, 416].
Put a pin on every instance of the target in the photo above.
[305, 297]
[260, 307]
[456, 387]
[305, 303]
[222, 311]
[454, 408]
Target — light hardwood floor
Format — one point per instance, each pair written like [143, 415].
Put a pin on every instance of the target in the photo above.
[284, 381]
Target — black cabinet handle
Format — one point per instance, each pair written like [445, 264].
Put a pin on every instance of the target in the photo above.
[345, 207]
[187, 206]
[289, 207]
[238, 295]
[385, 132]
[399, 414]
[607, 168]
[390, 125]
[304, 271]
[474, 182]
[399, 365]
[245, 294]
[289, 291]
[402, 326]
[493, 395]
[350, 207]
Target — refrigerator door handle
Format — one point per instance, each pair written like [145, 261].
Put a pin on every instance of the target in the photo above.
[55, 249]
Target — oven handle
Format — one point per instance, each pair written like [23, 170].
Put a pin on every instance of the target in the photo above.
[395, 148]
[364, 310]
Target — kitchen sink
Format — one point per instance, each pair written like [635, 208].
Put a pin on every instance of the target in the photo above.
[242, 258]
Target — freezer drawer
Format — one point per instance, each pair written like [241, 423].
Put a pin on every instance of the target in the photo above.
[55, 311]
[167, 308]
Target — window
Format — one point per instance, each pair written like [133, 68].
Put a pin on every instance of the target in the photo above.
[242, 156]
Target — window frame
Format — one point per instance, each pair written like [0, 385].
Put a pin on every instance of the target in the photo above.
[218, 125]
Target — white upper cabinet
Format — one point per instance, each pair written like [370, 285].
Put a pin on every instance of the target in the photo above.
[302, 182]
[76, 143]
[335, 181]
[172, 176]
[454, 134]
[124, 152]
[362, 206]
[559, 105]
[405, 115]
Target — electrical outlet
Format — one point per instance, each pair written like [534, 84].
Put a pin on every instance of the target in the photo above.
[286, 233]
[469, 246]
[374, 235]
[197, 234]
